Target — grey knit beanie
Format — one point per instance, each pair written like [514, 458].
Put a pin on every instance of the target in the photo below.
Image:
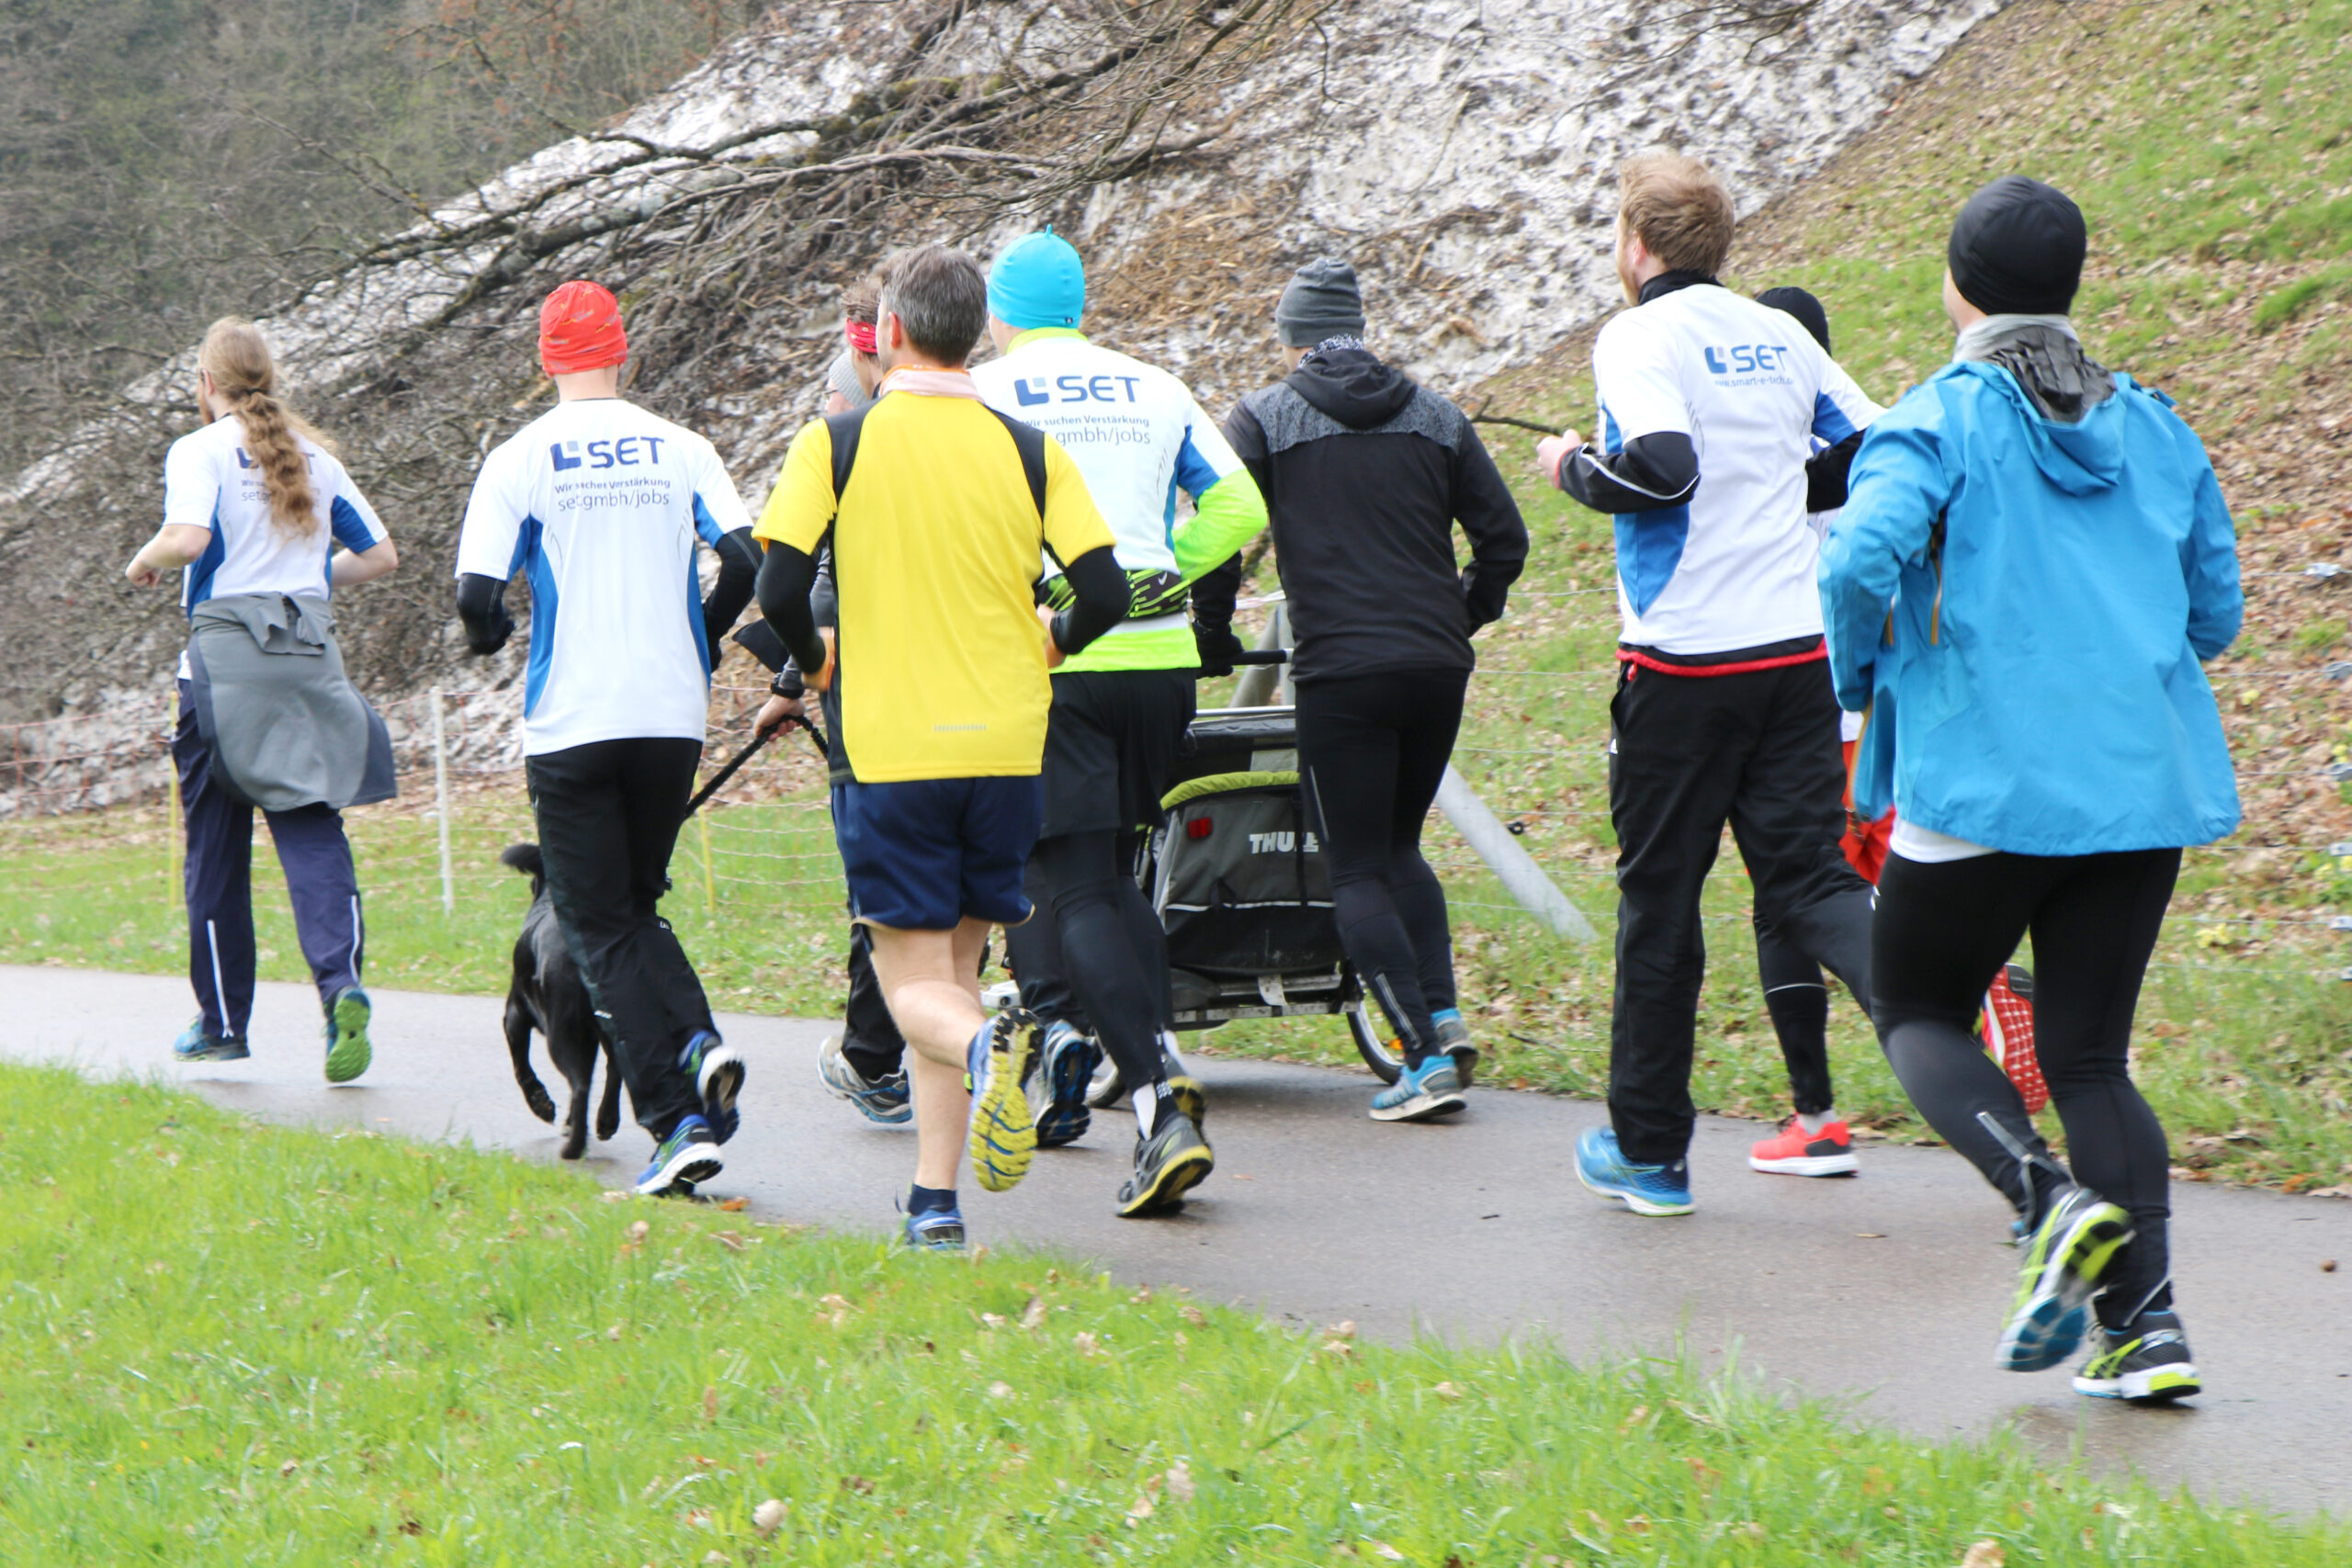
[1321, 300]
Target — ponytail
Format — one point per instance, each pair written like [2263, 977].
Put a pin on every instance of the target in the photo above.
[237, 358]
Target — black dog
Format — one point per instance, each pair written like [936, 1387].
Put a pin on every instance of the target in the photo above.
[549, 995]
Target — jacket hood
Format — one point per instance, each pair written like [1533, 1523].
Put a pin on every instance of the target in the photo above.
[2079, 458]
[1352, 386]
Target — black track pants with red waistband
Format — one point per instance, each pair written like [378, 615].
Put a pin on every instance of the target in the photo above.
[1689, 753]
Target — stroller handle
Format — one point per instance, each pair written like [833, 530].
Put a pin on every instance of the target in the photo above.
[1261, 656]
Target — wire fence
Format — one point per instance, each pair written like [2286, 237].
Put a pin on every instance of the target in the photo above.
[761, 851]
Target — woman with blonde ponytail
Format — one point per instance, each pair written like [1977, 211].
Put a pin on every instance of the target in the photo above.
[262, 523]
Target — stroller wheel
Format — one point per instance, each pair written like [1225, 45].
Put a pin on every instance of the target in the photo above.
[1381, 1055]
[1107, 1088]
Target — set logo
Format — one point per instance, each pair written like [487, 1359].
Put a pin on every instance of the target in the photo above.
[1745, 359]
[621, 453]
[1034, 389]
[1281, 843]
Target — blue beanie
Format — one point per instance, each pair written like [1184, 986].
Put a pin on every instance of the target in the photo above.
[1038, 281]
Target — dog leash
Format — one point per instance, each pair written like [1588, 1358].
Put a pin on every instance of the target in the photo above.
[734, 763]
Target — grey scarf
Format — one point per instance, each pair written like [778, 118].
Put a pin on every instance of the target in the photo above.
[2047, 359]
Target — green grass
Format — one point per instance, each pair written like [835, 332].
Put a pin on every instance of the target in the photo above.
[223, 1342]
[2208, 147]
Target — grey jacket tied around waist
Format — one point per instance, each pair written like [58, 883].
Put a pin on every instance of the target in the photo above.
[286, 727]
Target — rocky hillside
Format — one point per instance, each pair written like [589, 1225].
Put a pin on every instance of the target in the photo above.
[1462, 153]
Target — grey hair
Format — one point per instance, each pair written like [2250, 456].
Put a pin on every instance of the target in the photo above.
[940, 296]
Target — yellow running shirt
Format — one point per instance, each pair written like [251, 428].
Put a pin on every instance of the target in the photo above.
[941, 663]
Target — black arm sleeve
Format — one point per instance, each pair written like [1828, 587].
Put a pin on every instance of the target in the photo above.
[1653, 472]
[1483, 505]
[1214, 593]
[1102, 589]
[1824, 474]
[739, 568]
[481, 610]
[786, 577]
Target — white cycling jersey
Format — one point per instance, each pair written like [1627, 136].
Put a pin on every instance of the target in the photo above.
[1732, 567]
[1137, 436]
[600, 503]
[211, 482]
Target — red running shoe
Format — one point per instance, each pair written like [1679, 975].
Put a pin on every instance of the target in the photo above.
[1795, 1152]
[2008, 1033]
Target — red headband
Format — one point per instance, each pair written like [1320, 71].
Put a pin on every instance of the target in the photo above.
[860, 334]
[580, 329]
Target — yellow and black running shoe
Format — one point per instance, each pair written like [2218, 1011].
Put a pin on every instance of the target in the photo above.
[1168, 1164]
[2144, 1362]
[1004, 1129]
[2067, 1255]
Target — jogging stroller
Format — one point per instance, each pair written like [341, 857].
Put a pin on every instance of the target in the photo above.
[1238, 878]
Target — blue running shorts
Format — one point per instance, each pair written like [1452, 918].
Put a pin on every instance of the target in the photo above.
[924, 854]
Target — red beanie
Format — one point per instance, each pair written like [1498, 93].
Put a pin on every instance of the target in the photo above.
[580, 329]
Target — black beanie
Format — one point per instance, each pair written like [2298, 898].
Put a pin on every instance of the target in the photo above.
[2016, 249]
[1320, 301]
[1808, 310]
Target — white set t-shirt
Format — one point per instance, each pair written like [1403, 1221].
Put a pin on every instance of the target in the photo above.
[600, 503]
[1734, 567]
[211, 482]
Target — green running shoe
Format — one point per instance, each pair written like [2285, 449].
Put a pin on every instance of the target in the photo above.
[348, 1050]
[2070, 1253]
[1004, 1130]
[2144, 1362]
[1168, 1164]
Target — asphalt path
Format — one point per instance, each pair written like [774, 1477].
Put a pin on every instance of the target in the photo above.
[1882, 1292]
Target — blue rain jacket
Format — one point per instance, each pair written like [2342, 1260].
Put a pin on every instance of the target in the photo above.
[2023, 606]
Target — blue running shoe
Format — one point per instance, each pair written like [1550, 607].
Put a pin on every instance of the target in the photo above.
[1059, 1080]
[878, 1100]
[348, 1050]
[1652, 1189]
[1433, 1089]
[687, 1156]
[934, 1230]
[196, 1045]
[2067, 1257]
[718, 1071]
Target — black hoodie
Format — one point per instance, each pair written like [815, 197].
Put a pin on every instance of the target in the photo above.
[1365, 473]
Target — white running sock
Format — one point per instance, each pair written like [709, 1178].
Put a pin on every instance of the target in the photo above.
[1813, 1122]
[1168, 1047]
[1146, 1103]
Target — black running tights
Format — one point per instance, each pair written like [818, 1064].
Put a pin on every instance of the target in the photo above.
[1113, 954]
[1941, 933]
[1371, 749]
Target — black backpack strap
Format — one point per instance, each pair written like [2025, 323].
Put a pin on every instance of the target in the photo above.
[1030, 442]
[844, 428]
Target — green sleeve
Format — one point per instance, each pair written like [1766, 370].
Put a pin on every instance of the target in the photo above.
[1226, 516]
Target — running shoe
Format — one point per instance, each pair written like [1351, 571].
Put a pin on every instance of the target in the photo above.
[348, 1050]
[934, 1230]
[689, 1155]
[717, 1068]
[1192, 1096]
[2008, 1033]
[1454, 1039]
[1651, 1190]
[1433, 1089]
[881, 1100]
[1057, 1084]
[2072, 1249]
[196, 1044]
[1004, 1134]
[1795, 1152]
[2144, 1362]
[1168, 1164]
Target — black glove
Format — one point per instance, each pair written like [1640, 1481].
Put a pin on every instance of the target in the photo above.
[1216, 646]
